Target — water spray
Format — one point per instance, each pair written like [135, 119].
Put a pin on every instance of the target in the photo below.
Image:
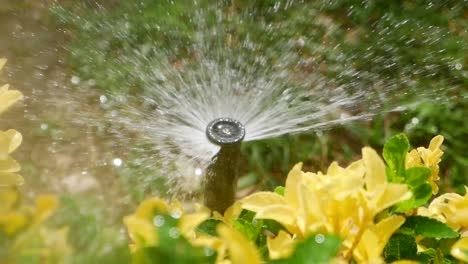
[221, 175]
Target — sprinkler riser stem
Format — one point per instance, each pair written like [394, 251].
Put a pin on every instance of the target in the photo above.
[221, 178]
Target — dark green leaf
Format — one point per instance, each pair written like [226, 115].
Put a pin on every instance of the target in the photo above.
[317, 249]
[428, 256]
[272, 226]
[247, 215]
[432, 256]
[208, 227]
[400, 246]
[422, 194]
[184, 253]
[429, 227]
[443, 245]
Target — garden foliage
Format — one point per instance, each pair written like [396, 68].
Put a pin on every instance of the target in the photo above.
[375, 210]
[417, 46]
[372, 211]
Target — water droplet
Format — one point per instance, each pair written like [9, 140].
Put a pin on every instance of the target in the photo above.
[44, 126]
[319, 238]
[174, 232]
[91, 82]
[159, 220]
[208, 252]
[103, 99]
[75, 80]
[458, 66]
[107, 248]
[176, 214]
[198, 171]
[354, 230]
[117, 162]
[300, 42]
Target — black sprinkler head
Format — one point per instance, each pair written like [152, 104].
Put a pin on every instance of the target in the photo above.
[225, 131]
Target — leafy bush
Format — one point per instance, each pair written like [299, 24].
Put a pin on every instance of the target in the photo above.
[372, 211]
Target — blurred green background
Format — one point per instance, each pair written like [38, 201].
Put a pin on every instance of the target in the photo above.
[419, 46]
[60, 50]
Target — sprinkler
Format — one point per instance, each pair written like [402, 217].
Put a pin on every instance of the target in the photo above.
[221, 176]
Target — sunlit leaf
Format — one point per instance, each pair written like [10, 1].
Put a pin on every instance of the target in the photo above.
[394, 152]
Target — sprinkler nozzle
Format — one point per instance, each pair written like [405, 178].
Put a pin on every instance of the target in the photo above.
[225, 131]
[221, 176]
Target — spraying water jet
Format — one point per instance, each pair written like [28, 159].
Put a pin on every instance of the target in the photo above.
[221, 175]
